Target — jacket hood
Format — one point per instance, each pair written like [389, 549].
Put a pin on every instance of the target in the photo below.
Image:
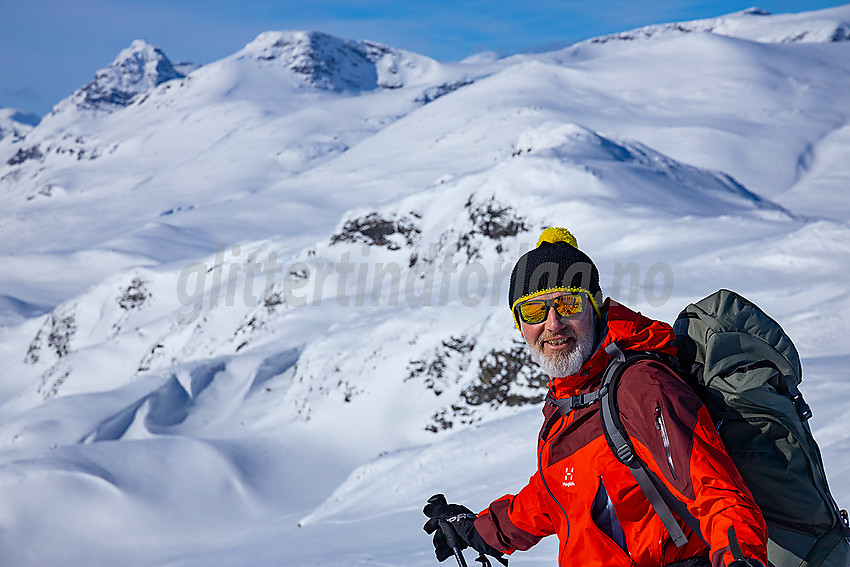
[631, 331]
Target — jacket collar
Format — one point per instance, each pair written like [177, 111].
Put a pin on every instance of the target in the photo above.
[631, 331]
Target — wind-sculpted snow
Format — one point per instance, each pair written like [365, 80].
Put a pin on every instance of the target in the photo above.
[258, 314]
[645, 177]
[13, 311]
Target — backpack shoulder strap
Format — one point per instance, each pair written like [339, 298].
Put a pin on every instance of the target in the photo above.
[659, 496]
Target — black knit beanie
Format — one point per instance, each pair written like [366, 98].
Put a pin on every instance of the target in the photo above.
[556, 264]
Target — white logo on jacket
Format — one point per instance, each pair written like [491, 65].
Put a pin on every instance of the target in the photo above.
[568, 477]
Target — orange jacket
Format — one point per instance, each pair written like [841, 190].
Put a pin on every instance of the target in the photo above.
[579, 469]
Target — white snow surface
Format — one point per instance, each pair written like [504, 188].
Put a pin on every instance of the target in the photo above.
[256, 314]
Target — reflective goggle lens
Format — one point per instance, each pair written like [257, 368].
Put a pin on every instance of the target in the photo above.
[535, 311]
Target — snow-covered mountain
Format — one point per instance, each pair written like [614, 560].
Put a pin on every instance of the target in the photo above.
[325, 62]
[16, 124]
[135, 71]
[255, 313]
[752, 24]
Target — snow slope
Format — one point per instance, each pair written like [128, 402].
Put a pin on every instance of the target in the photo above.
[255, 313]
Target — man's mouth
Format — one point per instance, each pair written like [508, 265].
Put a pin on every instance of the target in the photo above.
[559, 342]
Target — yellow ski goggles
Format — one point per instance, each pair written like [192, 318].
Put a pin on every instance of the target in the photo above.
[567, 305]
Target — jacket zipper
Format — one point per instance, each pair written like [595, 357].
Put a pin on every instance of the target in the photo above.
[550, 437]
[659, 425]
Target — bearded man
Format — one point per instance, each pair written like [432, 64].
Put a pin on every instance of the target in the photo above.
[581, 492]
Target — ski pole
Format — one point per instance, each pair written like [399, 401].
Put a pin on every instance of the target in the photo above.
[448, 530]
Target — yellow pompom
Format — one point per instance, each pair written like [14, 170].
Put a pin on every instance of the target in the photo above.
[555, 234]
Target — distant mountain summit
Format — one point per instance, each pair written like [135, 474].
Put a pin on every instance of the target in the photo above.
[136, 70]
[15, 124]
[326, 62]
[752, 24]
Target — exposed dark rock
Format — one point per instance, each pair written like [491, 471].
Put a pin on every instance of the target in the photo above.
[432, 371]
[135, 296]
[433, 93]
[55, 335]
[490, 220]
[494, 220]
[26, 154]
[505, 378]
[375, 230]
[508, 378]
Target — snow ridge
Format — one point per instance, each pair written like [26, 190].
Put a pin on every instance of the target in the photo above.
[753, 24]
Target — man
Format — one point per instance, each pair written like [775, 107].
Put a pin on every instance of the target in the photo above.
[581, 491]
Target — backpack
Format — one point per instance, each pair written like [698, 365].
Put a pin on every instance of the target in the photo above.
[746, 371]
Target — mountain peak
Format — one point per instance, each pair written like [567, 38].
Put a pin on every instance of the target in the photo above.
[16, 123]
[755, 12]
[330, 63]
[137, 69]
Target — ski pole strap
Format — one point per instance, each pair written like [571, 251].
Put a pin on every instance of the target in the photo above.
[659, 496]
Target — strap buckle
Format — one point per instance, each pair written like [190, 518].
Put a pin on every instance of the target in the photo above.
[584, 400]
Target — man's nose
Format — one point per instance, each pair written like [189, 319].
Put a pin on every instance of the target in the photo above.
[553, 320]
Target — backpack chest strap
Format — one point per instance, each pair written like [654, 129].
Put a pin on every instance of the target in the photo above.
[565, 405]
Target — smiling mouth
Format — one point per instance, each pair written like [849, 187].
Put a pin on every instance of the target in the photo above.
[558, 342]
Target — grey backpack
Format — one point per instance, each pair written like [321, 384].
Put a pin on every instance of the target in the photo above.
[747, 371]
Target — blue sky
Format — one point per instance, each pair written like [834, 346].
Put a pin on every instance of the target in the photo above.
[49, 48]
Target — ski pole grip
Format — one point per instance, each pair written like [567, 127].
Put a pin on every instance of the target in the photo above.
[445, 526]
[451, 538]
[448, 530]
[438, 500]
[449, 533]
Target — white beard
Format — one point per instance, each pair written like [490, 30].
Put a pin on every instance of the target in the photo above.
[560, 364]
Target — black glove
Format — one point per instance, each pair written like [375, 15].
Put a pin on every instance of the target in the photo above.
[453, 526]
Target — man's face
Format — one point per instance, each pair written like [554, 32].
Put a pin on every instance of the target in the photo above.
[560, 346]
